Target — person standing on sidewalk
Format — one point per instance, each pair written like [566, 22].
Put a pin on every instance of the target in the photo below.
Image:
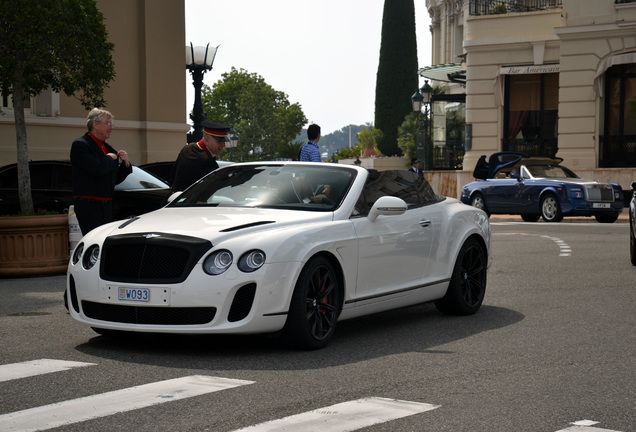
[96, 168]
[198, 159]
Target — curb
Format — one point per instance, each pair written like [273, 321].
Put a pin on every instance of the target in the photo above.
[622, 218]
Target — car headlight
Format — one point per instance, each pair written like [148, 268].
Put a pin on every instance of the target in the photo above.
[251, 261]
[218, 262]
[78, 253]
[90, 257]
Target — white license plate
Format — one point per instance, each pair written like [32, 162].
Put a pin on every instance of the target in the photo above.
[134, 294]
[601, 205]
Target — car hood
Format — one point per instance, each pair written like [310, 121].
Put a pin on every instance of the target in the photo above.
[573, 181]
[211, 223]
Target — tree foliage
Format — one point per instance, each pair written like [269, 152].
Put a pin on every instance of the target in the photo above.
[397, 71]
[58, 44]
[407, 133]
[263, 117]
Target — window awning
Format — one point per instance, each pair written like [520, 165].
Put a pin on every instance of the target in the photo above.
[608, 62]
[450, 72]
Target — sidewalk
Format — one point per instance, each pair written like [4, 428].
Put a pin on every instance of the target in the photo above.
[622, 218]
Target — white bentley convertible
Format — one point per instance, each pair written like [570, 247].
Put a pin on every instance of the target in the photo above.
[268, 246]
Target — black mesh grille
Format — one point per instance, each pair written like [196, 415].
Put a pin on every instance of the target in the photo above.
[154, 258]
[148, 315]
[242, 303]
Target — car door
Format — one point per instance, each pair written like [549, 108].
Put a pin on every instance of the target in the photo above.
[394, 250]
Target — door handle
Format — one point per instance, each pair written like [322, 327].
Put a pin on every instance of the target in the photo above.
[425, 223]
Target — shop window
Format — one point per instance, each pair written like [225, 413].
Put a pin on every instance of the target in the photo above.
[618, 142]
[531, 114]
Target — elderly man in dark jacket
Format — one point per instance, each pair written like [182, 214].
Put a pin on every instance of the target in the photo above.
[97, 168]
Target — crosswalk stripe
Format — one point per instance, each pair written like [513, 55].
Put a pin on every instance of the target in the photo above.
[36, 367]
[101, 405]
[344, 416]
[585, 429]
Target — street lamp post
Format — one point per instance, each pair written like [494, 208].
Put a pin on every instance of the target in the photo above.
[199, 60]
[232, 143]
[422, 97]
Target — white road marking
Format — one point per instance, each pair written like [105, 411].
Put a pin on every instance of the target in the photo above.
[564, 249]
[101, 405]
[346, 416]
[37, 367]
[585, 429]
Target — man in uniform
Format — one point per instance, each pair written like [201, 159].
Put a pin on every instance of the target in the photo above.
[198, 159]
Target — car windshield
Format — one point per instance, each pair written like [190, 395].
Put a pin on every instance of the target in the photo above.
[140, 179]
[295, 187]
[550, 171]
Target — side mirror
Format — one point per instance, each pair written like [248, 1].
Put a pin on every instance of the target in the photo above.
[173, 196]
[387, 206]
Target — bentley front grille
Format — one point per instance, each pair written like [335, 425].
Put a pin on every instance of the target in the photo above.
[150, 257]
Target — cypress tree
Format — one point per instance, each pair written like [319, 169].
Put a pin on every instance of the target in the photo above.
[397, 72]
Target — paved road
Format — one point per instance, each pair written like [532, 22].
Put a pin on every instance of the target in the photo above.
[551, 350]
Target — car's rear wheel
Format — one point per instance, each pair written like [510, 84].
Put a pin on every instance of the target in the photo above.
[632, 242]
[606, 218]
[468, 283]
[477, 200]
[530, 217]
[315, 306]
[551, 209]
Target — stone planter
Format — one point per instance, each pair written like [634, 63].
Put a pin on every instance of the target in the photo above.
[33, 245]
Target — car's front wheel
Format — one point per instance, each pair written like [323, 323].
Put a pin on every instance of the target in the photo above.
[551, 209]
[467, 286]
[315, 306]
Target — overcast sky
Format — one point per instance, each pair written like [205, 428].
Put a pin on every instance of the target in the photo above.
[322, 53]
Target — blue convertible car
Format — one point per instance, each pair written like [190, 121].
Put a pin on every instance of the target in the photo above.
[534, 187]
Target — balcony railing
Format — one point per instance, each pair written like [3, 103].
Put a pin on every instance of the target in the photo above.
[617, 151]
[495, 7]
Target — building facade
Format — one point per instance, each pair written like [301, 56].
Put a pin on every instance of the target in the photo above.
[147, 96]
[545, 77]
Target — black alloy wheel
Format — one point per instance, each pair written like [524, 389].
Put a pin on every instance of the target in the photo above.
[467, 286]
[315, 306]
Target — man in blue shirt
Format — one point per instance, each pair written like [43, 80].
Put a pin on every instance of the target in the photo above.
[310, 151]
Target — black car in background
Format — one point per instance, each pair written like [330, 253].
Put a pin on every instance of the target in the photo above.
[51, 188]
[163, 170]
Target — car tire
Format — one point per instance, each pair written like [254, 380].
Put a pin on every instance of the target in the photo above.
[467, 286]
[315, 306]
[478, 201]
[551, 209]
[632, 242]
[530, 217]
[606, 218]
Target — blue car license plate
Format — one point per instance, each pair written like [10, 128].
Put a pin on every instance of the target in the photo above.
[134, 294]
